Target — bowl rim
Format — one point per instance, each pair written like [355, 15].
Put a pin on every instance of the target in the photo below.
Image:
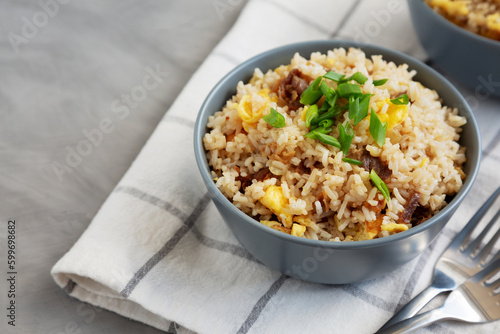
[217, 196]
[455, 27]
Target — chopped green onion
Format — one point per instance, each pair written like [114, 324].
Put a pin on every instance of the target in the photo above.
[326, 123]
[323, 130]
[275, 119]
[377, 129]
[334, 76]
[311, 134]
[347, 90]
[327, 139]
[358, 77]
[311, 113]
[325, 126]
[329, 93]
[345, 137]
[312, 93]
[353, 107]
[352, 161]
[363, 109]
[330, 114]
[381, 186]
[324, 107]
[379, 82]
[401, 100]
[324, 87]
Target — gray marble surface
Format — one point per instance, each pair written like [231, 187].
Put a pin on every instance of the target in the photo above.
[61, 74]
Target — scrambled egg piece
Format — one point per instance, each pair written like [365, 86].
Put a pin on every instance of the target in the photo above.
[251, 107]
[452, 8]
[275, 200]
[298, 230]
[276, 225]
[303, 114]
[394, 115]
[424, 161]
[394, 227]
[303, 220]
[371, 229]
[493, 22]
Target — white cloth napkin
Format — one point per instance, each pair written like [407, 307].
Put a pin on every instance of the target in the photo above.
[158, 251]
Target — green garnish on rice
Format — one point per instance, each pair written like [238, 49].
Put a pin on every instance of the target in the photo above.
[380, 82]
[357, 108]
[401, 100]
[352, 161]
[275, 119]
[313, 93]
[377, 128]
[358, 77]
[334, 76]
[345, 137]
[312, 112]
[348, 89]
[381, 186]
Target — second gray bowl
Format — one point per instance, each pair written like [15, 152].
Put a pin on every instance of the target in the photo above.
[472, 60]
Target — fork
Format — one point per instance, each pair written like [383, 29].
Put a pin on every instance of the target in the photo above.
[457, 263]
[476, 301]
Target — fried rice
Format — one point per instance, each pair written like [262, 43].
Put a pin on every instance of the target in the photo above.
[305, 187]
[481, 17]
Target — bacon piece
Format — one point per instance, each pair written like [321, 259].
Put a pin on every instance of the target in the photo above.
[302, 169]
[262, 174]
[291, 88]
[377, 165]
[420, 215]
[409, 208]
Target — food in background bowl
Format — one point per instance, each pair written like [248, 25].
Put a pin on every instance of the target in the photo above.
[478, 16]
[470, 59]
[339, 147]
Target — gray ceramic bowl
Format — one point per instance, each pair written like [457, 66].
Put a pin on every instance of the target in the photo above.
[323, 261]
[471, 59]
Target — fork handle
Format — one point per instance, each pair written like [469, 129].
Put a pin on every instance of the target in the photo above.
[418, 321]
[415, 305]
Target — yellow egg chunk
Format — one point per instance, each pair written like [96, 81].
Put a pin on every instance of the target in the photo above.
[270, 223]
[298, 230]
[251, 107]
[452, 8]
[394, 228]
[394, 115]
[424, 161]
[493, 22]
[365, 235]
[275, 200]
[303, 114]
[370, 230]
[303, 220]
[276, 225]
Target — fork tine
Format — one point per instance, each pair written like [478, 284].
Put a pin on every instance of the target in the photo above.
[495, 257]
[494, 285]
[481, 256]
[464, 235]
[477, 243]
[489, 271]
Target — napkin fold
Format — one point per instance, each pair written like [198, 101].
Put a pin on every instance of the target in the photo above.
[158, 251]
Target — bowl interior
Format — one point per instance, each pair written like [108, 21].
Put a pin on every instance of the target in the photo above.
[226, 88]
